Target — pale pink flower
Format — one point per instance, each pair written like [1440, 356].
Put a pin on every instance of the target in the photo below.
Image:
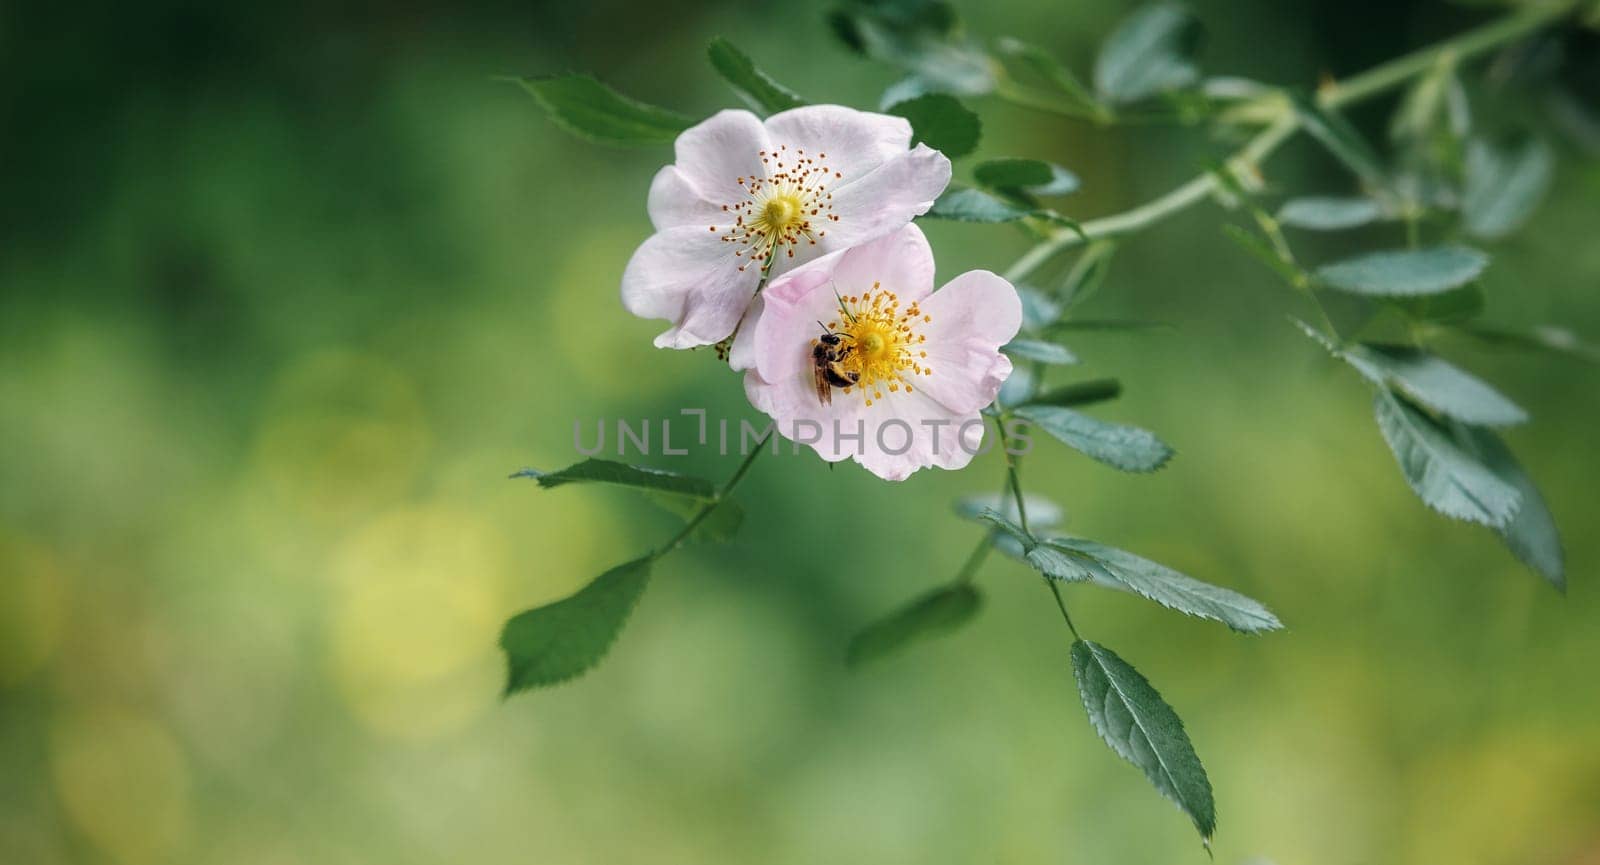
[924, 362]
[804, 183]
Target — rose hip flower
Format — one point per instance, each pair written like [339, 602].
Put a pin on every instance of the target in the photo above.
[745, 197]
[907, 370]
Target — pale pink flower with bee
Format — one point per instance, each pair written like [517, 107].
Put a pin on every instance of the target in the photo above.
[747, 198]
[857, 356]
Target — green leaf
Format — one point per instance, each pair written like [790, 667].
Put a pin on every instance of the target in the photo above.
[1504, 185]
[1150, 52]
[1329, 214]
[1042, 512]
[1531, 535]
[1406, 273]
[1128, 448]
[1080, 393]
[940, 121]
[1025, 175]
[933, 615]
[1434, 383]
[1341, 139]
[753, 86]
[1176, 591]
[588, 109]
[1041, 67]
[920, 36]
[1456, 305]
[1447, 478]
[1135, 722]
[1040, 351]
[622, 474]
[964, 204]
[551, 644]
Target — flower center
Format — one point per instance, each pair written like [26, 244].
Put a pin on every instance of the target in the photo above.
[884, 347]
[783, 210]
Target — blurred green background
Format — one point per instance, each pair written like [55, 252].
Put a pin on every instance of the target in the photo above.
[287, 289]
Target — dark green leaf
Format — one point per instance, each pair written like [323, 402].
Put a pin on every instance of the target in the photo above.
[1025, 175]
[622, 474]
[1531, 534]
[1137, 724]
[551, 644]
[1128, 448]
[1329, 214]
[1040, 351]
[1150, 52]
[1341, 139]
[1447, 478]
[1434, 383]
[934, 614]
[589, 109]
[1080, 393]
[940, 121]
[753, 86]
[1406, 273]
[1504, 185]
[1176, 591]
[964, 204]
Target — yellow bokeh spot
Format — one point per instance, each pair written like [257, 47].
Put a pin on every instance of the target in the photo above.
[124, 783]
[32, 601]
[419, 602]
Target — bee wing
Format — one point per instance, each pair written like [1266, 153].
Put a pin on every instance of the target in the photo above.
[824, 390]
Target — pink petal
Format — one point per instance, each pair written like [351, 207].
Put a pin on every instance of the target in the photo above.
[715, 153]
[972, 316]
[689, 277]
[855, 142]
[675, 203]
[888, 197]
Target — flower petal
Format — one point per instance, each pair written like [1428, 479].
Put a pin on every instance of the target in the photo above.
[675, 202]
[855, 142]
[972, 316]
[713, 154]
[888, 197]
[687, 276]
[901, 261]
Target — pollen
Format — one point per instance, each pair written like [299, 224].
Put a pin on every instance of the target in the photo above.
[787, 209]
[884, 342]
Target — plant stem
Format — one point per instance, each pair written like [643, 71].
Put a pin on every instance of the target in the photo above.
[1374, 81]
[1014, 481]
[722, 496]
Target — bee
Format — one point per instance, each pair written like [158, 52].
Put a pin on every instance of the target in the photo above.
[827, 363]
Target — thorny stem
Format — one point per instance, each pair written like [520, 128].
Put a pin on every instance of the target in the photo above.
[1374, 81]
[710, 506]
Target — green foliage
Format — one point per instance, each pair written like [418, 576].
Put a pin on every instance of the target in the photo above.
[1128, 448]
[1150, 52]
[1039, 311]
[965, 204]
[551, 644]
[1434, 383]
[753, 86]
[1040, 351]
[1404, 273]
[935, 614]
[940, 121]
[1286, 270]
[591, 110]
[1445, 476]
[720, 526]
[1045, 79]
[1042, 512]
[622, 474]
[1173, 590]
[1088, 273]
[920, 36]
[1029, 176]
[1341, 139]
[1504, 185]
[1455, 305]
[1135, 722]
[1080, 393]
[1329, 214]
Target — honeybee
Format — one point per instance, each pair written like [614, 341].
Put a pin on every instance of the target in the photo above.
[827, 362]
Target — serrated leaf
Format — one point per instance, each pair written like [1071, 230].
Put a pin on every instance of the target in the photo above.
[1531, 535]
[551, 644]
[933, 615]
[940, 121]
[1317, 213]
[753, 86]
[1333, 132]
[1005, 524]
[1140, 727]
[622, 474]
[1080, 393]
[1406, 273]
[1504, 185]
[1042, 512]
[588, 109]
[1434, 383]
[1031, 176]
[1447, 478]
[1150, 52]
[1128, 448]
[1174, 590]
[1040, 351]
[964, 204]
